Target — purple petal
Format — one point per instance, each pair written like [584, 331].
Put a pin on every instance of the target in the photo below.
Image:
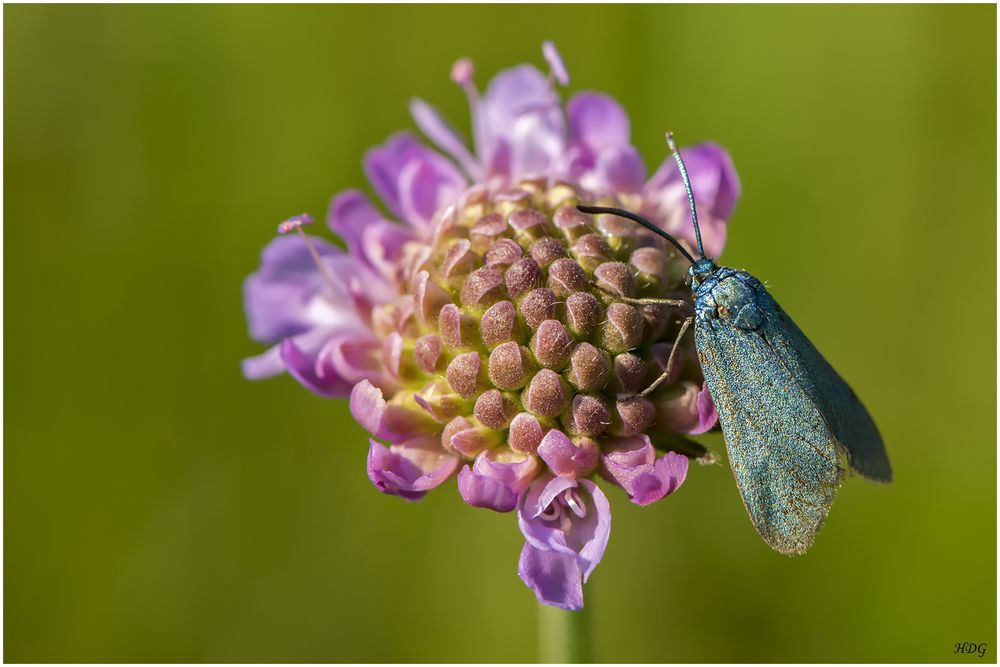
[666, 476]
[384, 163]
[411, 179]
[716, 189]
[350, 214]
[677, 408]
[525, 126]
[302, 366]
[548, 524]
[621, 169]
[707, 415]
[593, 531]
[623, 458]
[631, 464]
[443, 135]
[386, 421]
[554, 577]
[541, 493]
[512, 93]
[486, 492]
[426, 185]
[598, 122]
[537, 143]
[410, 469]
[279, 295]
[381, 247]
[264, 365]
[565, 457]
[355, 358]
[497, 478]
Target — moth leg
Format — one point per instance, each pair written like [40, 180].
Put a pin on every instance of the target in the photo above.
[677, 303]
[670, 359]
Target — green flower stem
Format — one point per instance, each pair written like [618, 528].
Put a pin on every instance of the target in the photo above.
[563, 636]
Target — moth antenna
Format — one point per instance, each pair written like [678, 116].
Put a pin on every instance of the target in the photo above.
[642, 221]
[687, 186]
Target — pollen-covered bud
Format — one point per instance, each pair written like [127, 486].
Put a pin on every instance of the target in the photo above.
[427, 352]
[463, 374]
[467, 438]
[439, 400]
[528, 223]
[614, 277]
[630, 371]
[591, 251]
[623, 328]
[483, 287]
[510, 366]
[547, 250]
[525, 433]
[634, 414]
[589, 368]
[537, 306]
[494, 409]
[455, 327]
[503, 253]
[590, 416]
[547, 395]
[498, 324]
[566, 277]
[583, 313]
[551, 345]
[459, 259]
[523, 276]
[572, 222]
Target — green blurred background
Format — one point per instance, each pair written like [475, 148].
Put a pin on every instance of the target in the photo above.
[160, 508]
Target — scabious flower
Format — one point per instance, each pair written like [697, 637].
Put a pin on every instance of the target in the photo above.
[487, 331]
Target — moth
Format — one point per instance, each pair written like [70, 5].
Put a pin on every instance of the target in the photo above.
[792, 426]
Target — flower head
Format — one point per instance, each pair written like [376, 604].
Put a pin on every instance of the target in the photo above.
[484, 329]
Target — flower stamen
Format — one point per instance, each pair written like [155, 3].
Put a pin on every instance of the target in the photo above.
[557, 68]
[551, 513]
[575, 502]
[295, 224]
[461, 73]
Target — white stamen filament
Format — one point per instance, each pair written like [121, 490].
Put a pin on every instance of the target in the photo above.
[551, 513]
[575, 503]
[324, 270]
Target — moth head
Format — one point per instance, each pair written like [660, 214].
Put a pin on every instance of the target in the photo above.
[700, 270]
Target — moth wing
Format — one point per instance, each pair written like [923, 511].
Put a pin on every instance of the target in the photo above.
[847, 418]
[781, 450]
